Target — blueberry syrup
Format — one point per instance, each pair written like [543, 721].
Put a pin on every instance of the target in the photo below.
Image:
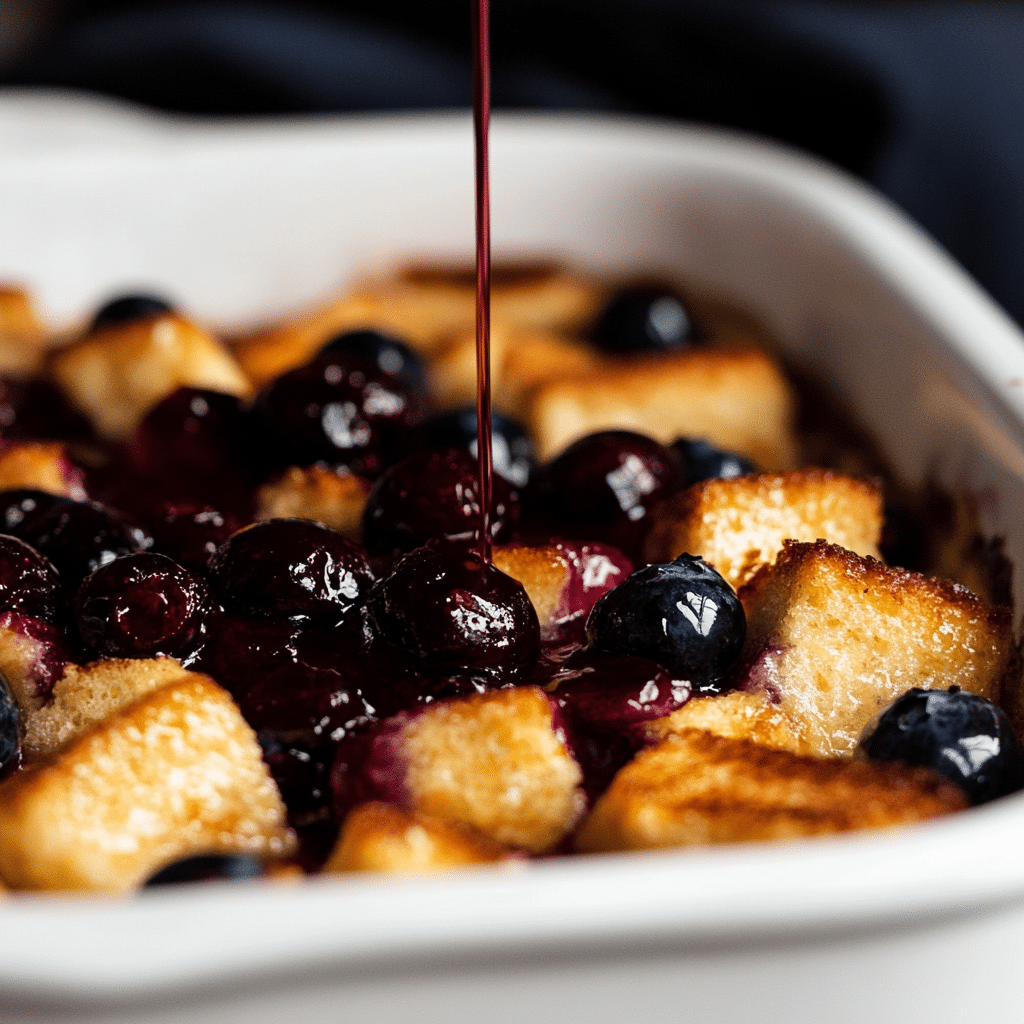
[481, 129]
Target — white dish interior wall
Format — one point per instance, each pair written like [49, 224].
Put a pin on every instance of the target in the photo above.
[241, 223]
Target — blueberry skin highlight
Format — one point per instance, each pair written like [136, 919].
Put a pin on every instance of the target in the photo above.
[962, 736]
[681, 614]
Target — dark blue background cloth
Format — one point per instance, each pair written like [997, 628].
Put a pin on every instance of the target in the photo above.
[926, 100]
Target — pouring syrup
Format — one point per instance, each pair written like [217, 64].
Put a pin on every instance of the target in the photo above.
[481, 127]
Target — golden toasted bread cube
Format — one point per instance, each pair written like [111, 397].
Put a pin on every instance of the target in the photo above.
[378, 836]
[695, 789]
[33, 655]
[42, 466]
[176, 773]
[424, 306]
[87, 695]
[520, 361]
[334, 497]
[116, 374]
[734, 395]
[835, 637]
[22, 339]
[494, 761]
[738, 525]
[735, 715]
[544, 573]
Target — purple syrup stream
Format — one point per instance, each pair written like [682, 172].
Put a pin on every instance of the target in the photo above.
[481, 126]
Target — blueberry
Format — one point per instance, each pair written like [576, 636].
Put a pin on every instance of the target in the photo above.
[962, 736]
[10, 730]
[703, 461]
[20, 504]
[209, 867]
[128, 308]
[512, 452]
[390, 354]
[643, 318]
[681, 614]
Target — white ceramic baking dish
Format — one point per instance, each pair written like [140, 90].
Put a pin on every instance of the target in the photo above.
[239, 222]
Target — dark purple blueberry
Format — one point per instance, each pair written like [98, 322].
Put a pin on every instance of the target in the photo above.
[291, 570]
[210, 867]
[434, 494]
[129, 308]
[21, 504]
[193, 441]
[594, 569]
[703, 461]
[611, 693]
[512, 451]
[962, 736]
[643, 318]
[603, 487]
[301, 767]
[10, 730]
[80, 536]
[191, 534]
[29, 584]
[143, 605]
[38, 410]
[388, 353]
[681, 614]
[405, 691]
[453, 613]
[337, 410]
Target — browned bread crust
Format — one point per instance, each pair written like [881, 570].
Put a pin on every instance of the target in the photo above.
[696, 789]
[117, 374]
[425, 306]
[175, 773]
[494, 761]
[22, 338]
[740, 524]
[544, 573]
[42, 465]
[734, 395]
[384, 837]
[333, 497]
[736, 715]
[835, 637]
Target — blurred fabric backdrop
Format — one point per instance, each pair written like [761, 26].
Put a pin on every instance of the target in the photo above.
[924, 99]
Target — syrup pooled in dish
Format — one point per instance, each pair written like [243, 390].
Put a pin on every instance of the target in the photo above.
[254, 624]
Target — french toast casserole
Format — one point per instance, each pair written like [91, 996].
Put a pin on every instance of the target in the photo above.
[247, 630]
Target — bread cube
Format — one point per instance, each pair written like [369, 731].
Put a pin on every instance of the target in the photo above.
[173, 774]
[740, 524]
[834, 637]
[735, 715]
[22, 339]
[41, 466]
[87, 695]
[117, 373]
[492, 761]
[734, 395]
[384, 837]
[696, 789]
[333, 497]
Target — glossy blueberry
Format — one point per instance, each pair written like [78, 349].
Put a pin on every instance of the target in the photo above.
[703, 461]
[390, 355]
[210, 867]
[35, 409]
[191, 533]
[681, 614]
[80, 536]
[291, 570]
[604, 487]
[21, 504]
[128, 308]
[453, 613]
[338, 410]
[434, 493]
[10, 729]
[143, 605]
[29, 584]
[643, 318]
[512, 452]
[962, 736]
